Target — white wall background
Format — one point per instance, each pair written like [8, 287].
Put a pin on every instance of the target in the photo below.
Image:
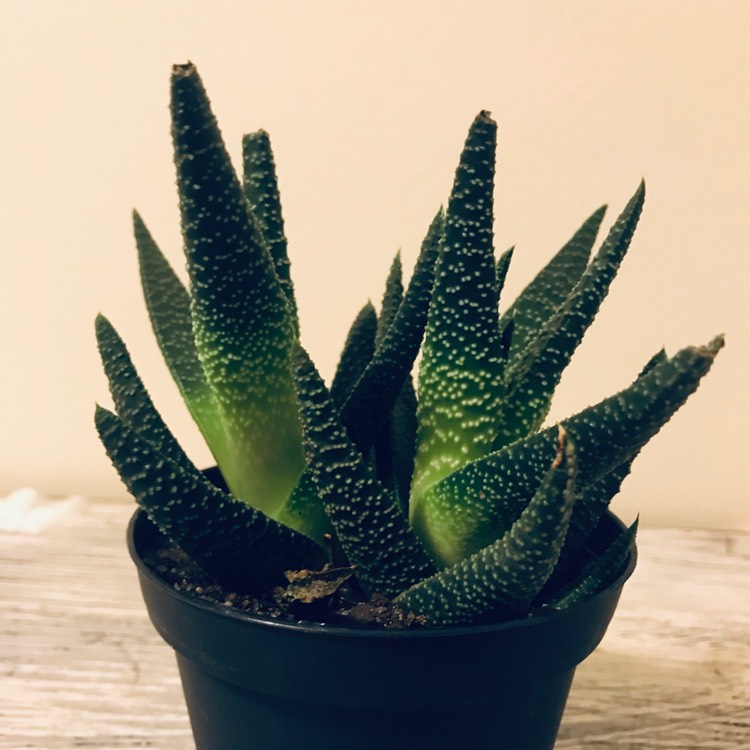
[367, 104]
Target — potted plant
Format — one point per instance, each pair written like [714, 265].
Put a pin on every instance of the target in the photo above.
[367, 566]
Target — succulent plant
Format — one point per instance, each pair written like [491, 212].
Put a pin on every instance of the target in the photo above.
[452, 500]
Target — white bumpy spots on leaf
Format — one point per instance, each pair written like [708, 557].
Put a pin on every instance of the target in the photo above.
[168, 304]
[242, 321]
[261, 188]
[491, 493]
[550, 287]
[367, 408]
[474, 506]
[373, 531]
[501, 580]
[240, 546]
[460, 376]
[533, 375]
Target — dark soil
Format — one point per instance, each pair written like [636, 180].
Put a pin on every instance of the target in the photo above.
[330, 595]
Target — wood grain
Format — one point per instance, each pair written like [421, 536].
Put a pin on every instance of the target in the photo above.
[81, 667]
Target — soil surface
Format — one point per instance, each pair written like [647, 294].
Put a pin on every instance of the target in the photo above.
[330, 595]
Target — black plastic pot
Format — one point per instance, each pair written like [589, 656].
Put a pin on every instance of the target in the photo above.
[255, 683]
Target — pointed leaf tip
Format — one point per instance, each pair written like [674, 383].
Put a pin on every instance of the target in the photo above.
[716, 344]
[183, 69]
[139, 225]
[256, 135]
[640, 194]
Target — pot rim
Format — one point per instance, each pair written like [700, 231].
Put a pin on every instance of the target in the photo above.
[340, 631]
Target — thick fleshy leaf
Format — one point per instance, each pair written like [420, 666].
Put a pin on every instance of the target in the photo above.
[303, 511]
[551, 286]
[243, 328]
[501, 273]
[241, 547]
[533, 377]
[356, 354]
[366, 410]
[168, 305]
[395, 446]
[591, 504]
[460, 374]
[477, 504]
[261, 188]
[660, 356]
[392, 297]
[506, 339]
[131, 399]
[501, 580]
[372, 530]
[598, 574]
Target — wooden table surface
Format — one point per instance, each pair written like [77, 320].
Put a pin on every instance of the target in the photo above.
[81, 667]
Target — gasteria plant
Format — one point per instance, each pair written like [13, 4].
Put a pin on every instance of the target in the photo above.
[454, 501]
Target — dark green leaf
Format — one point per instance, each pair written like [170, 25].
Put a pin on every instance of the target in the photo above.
[131, 399]
[244, 331]
[501, 580]
[598, 574]
[394, 293]
[532, 379]
[506, 339]
[372, 530]
[366, 410]
[394, 448]
[501, 272]
[262, 191]
[477, 504]
[460, 374]
[591, 504]
[552, 285]
[356, 354]
[242, 548]
[168, 306]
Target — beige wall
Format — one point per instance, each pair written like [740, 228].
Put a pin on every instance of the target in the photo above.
[367, 104]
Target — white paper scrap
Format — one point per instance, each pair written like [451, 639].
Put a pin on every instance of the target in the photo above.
[27, 512]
